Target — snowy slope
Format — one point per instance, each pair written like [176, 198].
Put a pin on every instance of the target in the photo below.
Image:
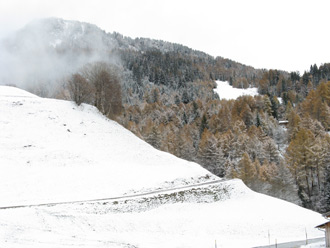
[239, 218]
[53, 151]
[226, 91]
[62, 152]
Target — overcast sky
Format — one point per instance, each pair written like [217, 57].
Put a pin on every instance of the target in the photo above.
[279, 34]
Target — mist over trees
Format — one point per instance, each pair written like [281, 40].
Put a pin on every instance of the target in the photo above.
[163, 92]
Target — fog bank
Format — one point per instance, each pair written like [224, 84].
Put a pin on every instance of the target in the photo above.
[46, 51]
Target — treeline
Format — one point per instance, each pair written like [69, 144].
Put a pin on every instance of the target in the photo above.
[175, 69]
[292, 86]
[175, 65]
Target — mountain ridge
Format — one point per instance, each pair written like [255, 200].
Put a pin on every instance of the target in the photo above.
[61, 36]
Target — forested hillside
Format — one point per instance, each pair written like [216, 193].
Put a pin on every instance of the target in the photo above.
[168, 100]
[163, 93]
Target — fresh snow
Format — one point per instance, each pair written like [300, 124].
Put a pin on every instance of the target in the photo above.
[316, 245]
[241, 219]
[280, 100]
[53, 151]
[75, 153]
[226, 91]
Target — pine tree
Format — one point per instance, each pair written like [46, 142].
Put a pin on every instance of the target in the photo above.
[153, 136]
[155, 95]
[185, 145]
[225, 143]
[258, 120]
[324, 116]
[271, 152]
[294, 124]
[203, 125]
[267, 106]
[300, 160]
[320, 171]
[209, 155]
[274, 106]
[224, 116]
[170, 143]
[255, 146]
[246, 169]
[239, 146]
[246, 115]
[326, 194]
[267, 171]
[185, 97]
[323, 91]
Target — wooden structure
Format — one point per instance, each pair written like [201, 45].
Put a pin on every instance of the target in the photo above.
[326, 227]
[283, 123]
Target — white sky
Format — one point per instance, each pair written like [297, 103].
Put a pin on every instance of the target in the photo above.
[280, 34]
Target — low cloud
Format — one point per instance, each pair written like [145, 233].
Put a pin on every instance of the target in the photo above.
[47, 51]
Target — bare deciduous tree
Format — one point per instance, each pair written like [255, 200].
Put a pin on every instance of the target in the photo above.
[106, 88]
[79, 89]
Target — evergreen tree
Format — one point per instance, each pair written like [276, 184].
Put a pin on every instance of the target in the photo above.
[300, 160]
[324, 116]
[225, 142]
[271, 152]
[246, 169]
[209, 155]
[267, 105]
[246, 115]
[258, 120]
[185, 144]
[185, 97]
[203, 125]
[326, 194]
[274, 106]
[153, 137]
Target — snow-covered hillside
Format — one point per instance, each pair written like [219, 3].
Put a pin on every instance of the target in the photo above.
[226, 91]
[53, 151]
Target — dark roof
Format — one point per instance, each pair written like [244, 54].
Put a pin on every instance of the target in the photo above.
[323, 225]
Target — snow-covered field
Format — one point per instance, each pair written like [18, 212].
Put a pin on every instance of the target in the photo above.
[241, 218]
[225, 91]
[316, 245]
[53, 151]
